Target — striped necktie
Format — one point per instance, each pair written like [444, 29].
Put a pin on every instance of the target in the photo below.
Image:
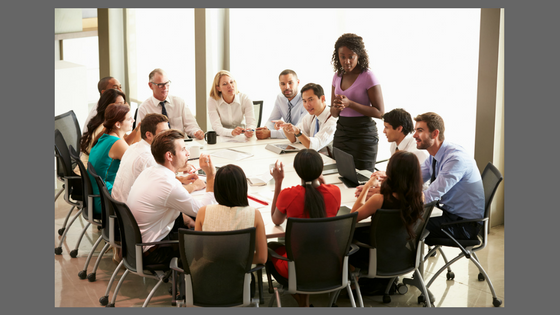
[289, 116]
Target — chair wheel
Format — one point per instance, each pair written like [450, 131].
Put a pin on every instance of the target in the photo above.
[497, 302]
[58, 250]
[450, 275]
[61, 231]
[402, 289]
[421, 299]
[386, 298]
[74, 253]
[110, 305]
[481, 277]
[91, 277]
[104, 300]
[82, 274]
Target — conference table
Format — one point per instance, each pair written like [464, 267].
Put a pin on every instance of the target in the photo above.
[256, 161]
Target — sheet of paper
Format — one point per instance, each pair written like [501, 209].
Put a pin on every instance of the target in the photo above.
[231, 154]
[259, 179]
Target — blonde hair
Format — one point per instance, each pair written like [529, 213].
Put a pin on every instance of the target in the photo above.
[214, 93]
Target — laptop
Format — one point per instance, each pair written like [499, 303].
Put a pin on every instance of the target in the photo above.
[350, 176]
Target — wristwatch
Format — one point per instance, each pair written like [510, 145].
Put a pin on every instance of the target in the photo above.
[299, 134]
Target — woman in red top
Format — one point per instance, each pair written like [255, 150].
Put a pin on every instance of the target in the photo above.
[311, 199]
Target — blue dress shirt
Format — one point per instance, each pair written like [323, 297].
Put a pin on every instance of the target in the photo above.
[458, 184]
[280, 111]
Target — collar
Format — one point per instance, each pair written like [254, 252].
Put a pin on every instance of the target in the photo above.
[235, 100]
[294, 100]
[405, 142]
[441, 151]
[156, 101]
[324, 116]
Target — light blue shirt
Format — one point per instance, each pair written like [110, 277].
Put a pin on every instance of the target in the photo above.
[458, 184]
[280, 111]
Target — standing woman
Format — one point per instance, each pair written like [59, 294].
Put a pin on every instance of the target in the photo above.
[231, 113]
[109, 147]
[356, 98]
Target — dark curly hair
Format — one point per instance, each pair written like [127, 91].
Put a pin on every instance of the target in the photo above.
[355, 44]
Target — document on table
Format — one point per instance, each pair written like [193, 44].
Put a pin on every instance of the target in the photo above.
[259, 180]
[231, 154]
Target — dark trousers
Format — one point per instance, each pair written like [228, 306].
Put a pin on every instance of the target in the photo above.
[467, 231]
[357, 136]
[162, 254]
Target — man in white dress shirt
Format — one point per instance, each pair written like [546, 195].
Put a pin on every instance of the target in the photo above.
[288, 107]
[179, 115]
[158, 200]
[316, 129]
[398, 130]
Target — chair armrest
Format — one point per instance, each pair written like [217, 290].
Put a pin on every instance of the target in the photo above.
[464, 221]
[424, 235]
[159, 243]
[174, 265]
[257, 268]
[353, 248]
[272, 253]
[381, 161]
[360, 244]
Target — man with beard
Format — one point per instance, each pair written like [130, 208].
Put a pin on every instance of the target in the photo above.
[454, 179]
[288, 107]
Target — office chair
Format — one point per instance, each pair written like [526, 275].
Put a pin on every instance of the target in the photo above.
[392, 253]
[132, 249]
[491, 178]
[258, 107]
[98, 220]
[72, 185]
[217, 267]
[317, 255]
[69, 127]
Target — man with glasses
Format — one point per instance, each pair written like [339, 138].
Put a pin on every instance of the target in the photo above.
[179, 115]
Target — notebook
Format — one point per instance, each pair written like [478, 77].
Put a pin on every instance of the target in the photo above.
[350, 176]
[281, 148]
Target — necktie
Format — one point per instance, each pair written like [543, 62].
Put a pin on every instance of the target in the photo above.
[164, 112]
[289, 116]
[433, 171]
[316, 125]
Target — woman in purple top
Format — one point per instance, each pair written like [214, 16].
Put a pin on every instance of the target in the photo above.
[356, 98]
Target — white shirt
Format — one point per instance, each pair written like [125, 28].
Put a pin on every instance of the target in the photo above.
[325, 134]
[409, 144]
[225, 117]
[180, 116]
[92, 114]
[280, 111]
[157, 198]
[136, 158]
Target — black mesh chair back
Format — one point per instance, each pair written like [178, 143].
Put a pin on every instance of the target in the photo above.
[69, 127]
[491, 178]
[396, 252]
[135, 115]
[257, 107]
[218, 264]
[84, 179]
[64, 166]
[107, 209]
[130, 233]
[317, 248]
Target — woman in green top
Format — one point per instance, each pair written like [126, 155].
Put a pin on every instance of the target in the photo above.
[109, 147]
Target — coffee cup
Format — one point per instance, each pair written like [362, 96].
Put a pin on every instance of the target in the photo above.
[210, 137]
[194, 151]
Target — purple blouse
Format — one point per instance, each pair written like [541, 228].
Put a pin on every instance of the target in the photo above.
[357, 92]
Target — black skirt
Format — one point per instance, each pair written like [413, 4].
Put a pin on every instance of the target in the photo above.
[357, 136]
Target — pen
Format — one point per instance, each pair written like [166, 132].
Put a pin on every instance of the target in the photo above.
[247, 130]
[257, 200]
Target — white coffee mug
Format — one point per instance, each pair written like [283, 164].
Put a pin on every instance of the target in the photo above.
[194, 152]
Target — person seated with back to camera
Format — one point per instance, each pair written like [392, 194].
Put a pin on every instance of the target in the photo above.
[230, 111]
[312, 199]
[401, 189]
[232, 213]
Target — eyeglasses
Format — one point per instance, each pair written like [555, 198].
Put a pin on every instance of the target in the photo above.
[161, 85]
